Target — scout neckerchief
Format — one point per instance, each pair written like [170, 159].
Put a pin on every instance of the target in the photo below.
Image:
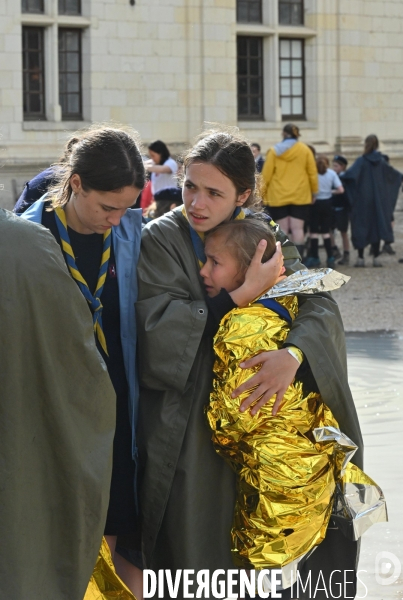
[198, 238]
[93, 300]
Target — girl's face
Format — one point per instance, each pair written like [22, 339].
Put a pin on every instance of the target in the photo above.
[210, 197]
[337, 167]
[221, 269]
[95, 211]
[154, 156]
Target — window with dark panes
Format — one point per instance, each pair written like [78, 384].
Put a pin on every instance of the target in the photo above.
[69, 7]
[33, 73]
[250, 77]
[292, 84]
[32, 6]
[291, 12]
[249, 11]
[70, 91]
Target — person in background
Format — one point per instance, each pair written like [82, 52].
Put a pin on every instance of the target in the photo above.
[289, 182]
[57, 422]
[164, 201]
[341, 209]
[162, 167]
[387, 246]
[39, 185]
[259, 160]
[146, 197]
[372, 186]
[321, 213]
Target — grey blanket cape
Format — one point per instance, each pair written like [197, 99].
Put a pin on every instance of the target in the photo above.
[188, 491]
[57, 417]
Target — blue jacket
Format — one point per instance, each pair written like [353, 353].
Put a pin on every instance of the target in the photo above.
[126, 244]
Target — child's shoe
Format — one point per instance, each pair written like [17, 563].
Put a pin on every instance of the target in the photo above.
[336, 252]
[387, 249]
[330, 262]
[345, 260]
[312, 262]
[376, 263]
[360, 262]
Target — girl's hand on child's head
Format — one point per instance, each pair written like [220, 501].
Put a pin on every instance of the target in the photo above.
[259, 277]
[276, 374]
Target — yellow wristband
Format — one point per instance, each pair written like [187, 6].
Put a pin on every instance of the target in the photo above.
[296, 353]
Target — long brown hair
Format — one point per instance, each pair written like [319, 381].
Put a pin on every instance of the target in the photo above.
[322, 164]
[106, 158]
[231, 154]
[371, 144]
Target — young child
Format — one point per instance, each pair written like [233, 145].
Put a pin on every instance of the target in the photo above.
[322, 212]
[288, 464]
[341, 208]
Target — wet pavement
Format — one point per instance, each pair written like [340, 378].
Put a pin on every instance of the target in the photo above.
[375, 362]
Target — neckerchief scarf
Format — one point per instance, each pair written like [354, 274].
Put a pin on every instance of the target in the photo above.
[198, 238]
[93, 300]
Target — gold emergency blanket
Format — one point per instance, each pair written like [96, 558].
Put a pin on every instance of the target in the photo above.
[105, 584]
[286, 479]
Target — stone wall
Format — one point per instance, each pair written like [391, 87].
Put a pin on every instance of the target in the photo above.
[166, 67]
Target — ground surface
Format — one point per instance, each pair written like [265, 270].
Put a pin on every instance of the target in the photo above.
[375, 364]
[373, 298]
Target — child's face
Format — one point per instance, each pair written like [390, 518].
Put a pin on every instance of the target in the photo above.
[221, 269]
[338, 168]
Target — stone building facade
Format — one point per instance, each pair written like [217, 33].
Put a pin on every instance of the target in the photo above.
[168, 66]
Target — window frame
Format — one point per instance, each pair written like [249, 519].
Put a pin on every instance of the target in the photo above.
[65, 12]
[71, 116]
[301, 3]
[248, 2]
[294, 117]
[26, 11]
[29, 116]
[249, 116]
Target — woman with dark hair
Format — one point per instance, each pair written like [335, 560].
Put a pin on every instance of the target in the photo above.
[188, 492]
[372, 186]
[88, 213]
[289, 182]
[161, 166]
[322, 213]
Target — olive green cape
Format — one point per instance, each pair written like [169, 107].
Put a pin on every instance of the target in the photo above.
[188, 491]
[57, 413]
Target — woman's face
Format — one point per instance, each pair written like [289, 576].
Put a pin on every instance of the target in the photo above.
[95, 211]
[154, 156]
[210, 197]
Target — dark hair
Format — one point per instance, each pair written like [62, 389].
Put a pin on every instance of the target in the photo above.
[170, 195]
[292, 131]
[255, 145]
[161, 149]
[371, 144]
[105, 158]
[230, 153]
[312, 149]
[242, 238]
[322, 164]
[341, 160]
[164, 200]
